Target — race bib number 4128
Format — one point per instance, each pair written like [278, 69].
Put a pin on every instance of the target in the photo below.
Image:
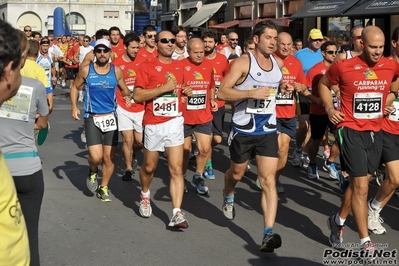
[367, 105]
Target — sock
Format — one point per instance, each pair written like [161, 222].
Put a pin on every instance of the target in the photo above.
[176, 210]
[197, 175]
[208, 164]
[145, 194]
[364, 240]
[376, 205]
[267, 230]
[338, 220]
[229, 199]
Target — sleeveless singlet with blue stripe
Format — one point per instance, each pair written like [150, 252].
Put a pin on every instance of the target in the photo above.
[46, 64]
[256, 124]
[100, 92]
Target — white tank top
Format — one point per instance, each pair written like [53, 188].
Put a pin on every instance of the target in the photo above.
[83, 51]
[252, 123]
[177, 55]
[229, 55]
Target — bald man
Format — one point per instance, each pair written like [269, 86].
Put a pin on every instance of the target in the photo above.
[197, 112]
[365, 84]
[233, 50]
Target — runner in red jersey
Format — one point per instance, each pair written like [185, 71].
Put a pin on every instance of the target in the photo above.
[390, 155]
[149, 51]
[364, 83]
[115, 37]
[318, 117]
[197, 112]
[286, 104]
[220, 69]
[130, 119]
[71, 68]
[159, 85]
[223, 43]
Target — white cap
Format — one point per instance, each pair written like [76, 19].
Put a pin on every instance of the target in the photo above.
[103, 42]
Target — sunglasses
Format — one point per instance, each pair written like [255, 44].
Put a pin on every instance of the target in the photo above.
[44, 42]
[101, 50]
[331, 52]
[167, 40]
[27, 30]
[233, 40]
[317, 40]
[86, 41]
[149, 36]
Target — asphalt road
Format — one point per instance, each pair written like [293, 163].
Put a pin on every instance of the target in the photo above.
[76, 228]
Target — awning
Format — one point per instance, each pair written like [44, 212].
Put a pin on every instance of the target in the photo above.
[373, 8]
[168, 16]
[249, 23]
[225, 25]
[324, 9]
[190, 5]
[203, 15]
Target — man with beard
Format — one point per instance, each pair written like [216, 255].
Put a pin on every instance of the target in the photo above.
[233, 50]
[130, 119]
[100, 81]
[220, 69]
[181, 43]
[159, 85]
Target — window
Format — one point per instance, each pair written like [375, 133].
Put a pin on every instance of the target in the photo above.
[111, 14]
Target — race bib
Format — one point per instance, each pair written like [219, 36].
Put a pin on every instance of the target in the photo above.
[197, 100]
[18, 107]
[166, 105]
[264, 106]
[367, 105]
[217, 85]
[284, 99]
[105, 122]
[394, 116]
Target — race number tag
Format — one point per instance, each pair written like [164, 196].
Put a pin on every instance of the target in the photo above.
[217, 85]
[394, 116]
[166, 105]
[265, 106]
[197, 100]
[18, 107]
[131, 88]
[105, 122]
[284, 99]
[367, 105]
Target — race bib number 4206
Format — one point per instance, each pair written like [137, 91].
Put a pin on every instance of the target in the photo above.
[367, 105]
[166, 105]
[105, 122]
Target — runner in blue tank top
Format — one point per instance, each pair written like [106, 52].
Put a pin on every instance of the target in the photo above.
[101, 80]
[251, 84]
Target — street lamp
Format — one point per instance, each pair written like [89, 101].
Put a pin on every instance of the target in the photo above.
[131, 16]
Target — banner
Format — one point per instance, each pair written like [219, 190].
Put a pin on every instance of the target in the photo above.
[61, 26]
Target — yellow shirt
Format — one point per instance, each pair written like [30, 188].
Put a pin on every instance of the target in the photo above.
[33, 70]
[14, 245]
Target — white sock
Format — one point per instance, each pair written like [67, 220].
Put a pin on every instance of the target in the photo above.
[338, 220]
[364, 240]
[145, 194]
[176, 210]
[376, 205]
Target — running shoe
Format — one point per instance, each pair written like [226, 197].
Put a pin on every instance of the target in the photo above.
[296, 158]
[92, 181]
[343, 181]
[367, 257]
[103, 194]
[229, 210]
[58, 81]
[380, 175]
[63, 83]
[135, 164]
[248, 168]
[336, 232]
[270, 241]
[209, 174]
[178, 220]
[332, 170]
[313, 172]
[305, 161]
[198, 182]
[326, 154]
[375, 221]
[127, 175]
[185, 185]
[257, 182]
[279, 187]
[83, 136]
[145, 209]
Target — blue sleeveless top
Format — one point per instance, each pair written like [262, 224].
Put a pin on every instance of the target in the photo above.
[100, 92]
